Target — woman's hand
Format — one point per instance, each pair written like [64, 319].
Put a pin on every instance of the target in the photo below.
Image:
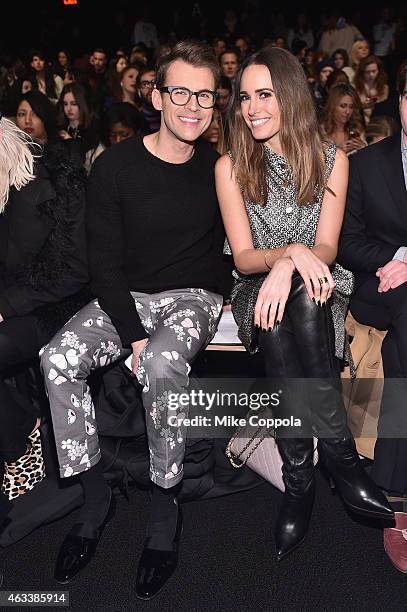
[354, 144]
[313, 271]
[369, 102]
[135, 359]
[273, 295]
[64, 135]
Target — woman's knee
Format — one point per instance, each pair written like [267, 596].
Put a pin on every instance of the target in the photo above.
[299, 304]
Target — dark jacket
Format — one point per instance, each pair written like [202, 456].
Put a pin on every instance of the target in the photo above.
[375, 223]
[43, 263]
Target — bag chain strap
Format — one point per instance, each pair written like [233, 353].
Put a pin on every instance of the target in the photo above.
[232, 457]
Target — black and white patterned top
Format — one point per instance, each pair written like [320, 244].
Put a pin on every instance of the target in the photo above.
[282, 221]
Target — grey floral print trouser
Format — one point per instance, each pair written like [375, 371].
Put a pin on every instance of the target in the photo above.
[180, 322]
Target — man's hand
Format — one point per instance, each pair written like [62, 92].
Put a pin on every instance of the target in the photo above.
[392, 275]
[137, 348]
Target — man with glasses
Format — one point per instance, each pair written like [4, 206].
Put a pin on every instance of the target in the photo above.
[155, 244]
[145, 86]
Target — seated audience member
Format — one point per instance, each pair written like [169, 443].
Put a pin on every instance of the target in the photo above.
[139, 54]
[124, 86]
[380, 128]
[43, 272]
[224, 94]
[42, 77]
[374, 246]
[280, 42]
[14, 79]
[74, 118]
[371, 84]
[360, 50]
[37, 117]
[299, 48]
[119, 62]
[160, 51]
[230, 27]
[340, 58]
[145, 86]
[94, 79]
[229, 63]
[283, 225]
[341, 119]
[119, 122]
[323, 69]
[64, 68]
[336, 78]
[309, 66]
[215, 133]
[242, 45]
[155, 245]
[223, 102]
[218, 45]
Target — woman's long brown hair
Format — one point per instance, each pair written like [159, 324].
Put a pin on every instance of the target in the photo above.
[300, 135]
[359, 80]
[335, 94]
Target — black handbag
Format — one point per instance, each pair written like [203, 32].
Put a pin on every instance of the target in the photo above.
[118, 405]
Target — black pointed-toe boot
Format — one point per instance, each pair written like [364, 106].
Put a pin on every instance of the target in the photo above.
[336, 445]
[296, 507]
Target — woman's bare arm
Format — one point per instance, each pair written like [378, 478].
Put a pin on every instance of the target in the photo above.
[248, 260]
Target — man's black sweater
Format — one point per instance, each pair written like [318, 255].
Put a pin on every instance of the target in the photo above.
[153, 226]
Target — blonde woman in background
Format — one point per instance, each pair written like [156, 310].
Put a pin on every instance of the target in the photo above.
[360, 50]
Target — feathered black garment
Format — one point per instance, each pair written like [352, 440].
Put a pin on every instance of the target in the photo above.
[51, 266]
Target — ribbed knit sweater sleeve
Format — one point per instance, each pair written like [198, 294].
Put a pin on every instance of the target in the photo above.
[106, 245]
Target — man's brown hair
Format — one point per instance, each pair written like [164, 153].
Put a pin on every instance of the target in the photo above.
[192, 52]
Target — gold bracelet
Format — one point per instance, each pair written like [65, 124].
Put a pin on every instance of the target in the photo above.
[265, 260]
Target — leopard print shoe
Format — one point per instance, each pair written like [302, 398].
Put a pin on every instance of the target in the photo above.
[22, 475]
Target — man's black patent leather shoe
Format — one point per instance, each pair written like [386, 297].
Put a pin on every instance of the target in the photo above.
[157, 566]
[79, 547]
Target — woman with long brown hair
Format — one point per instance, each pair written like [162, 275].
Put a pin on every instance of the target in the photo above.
[371, 84]
[342, 119]
[75, 119]
[124, 86]
[42, 77]
[282, 193]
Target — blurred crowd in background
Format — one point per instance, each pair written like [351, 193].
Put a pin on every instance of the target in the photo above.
[57, 87]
